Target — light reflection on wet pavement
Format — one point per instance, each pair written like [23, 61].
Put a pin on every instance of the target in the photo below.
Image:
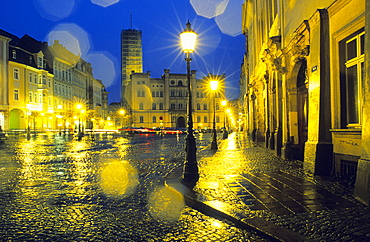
[60, 189]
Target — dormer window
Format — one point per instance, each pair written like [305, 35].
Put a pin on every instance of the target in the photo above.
[40, 62]
[14, 53]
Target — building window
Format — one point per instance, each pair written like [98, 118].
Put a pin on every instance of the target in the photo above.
[205, 106]
[205, 119]
[141, 106]
[198, 106]
[180, 106]
[217, 119]
[30, 97]
[173, 106]
[161, 93]
[14, 54]
[153, 93]
[180, 83]
[172, 93]
[30, 77]
[141, 119]
[16, 74]
[154, 119]
[160, 106]
[16, 95]
[198, 119]
[154, 106]
[352, 78]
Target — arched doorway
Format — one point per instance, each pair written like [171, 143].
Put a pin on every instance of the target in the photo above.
[16, 118]
[180, 123]
[302, 108]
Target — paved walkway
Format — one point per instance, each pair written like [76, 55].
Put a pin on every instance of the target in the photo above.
[251, 187]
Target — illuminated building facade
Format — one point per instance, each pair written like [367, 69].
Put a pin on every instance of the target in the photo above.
[304, 82]
[162, 102]
[40, 85]
[131, 57]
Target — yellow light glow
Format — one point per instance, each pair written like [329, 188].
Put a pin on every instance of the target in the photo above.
[166, 204]
[79, 106]
[122, 112]
[223, 102]
[188, 39]
[119, 178]
[213, 85]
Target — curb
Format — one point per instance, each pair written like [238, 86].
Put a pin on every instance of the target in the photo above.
[221, 210]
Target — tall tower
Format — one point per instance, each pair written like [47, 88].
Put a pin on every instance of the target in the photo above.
[131, 57]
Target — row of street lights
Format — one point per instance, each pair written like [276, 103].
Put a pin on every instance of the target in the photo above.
[190, 174]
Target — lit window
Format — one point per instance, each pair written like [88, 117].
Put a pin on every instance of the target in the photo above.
[352, 78]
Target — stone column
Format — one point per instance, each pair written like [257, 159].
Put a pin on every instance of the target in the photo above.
[318, 148]
[362, 186]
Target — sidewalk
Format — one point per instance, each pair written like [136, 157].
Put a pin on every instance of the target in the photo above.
[256, 190]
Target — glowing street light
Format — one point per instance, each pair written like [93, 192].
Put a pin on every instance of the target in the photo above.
[214, 85]
[190, 175]
[225, 133]
[122, 112]
[80, 133]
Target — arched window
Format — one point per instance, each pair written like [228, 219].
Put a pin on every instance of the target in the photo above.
[173, 106]
[143, 93]
[154, 106]
[198, 119]
[141, 106]
[141, 119]
[139, 93]
[217, 119]
[154, 119]
[161, 93]
[198, 95]
[157, 93]
[180, 83]
[160, 106]
[205, 106]
[205, 119]
[153, 93]
[198, 106]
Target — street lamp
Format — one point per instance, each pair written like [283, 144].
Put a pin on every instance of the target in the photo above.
[122, 112]
[214, 86]
[190, 174]
[80, 133]
[225, 134]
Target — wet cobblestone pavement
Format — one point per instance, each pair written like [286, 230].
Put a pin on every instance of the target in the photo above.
[110, 189]
[251, 179]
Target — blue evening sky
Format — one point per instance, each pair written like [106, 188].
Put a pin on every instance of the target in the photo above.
[95, 26]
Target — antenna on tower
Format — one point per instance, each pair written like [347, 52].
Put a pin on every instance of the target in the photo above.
[131, 20]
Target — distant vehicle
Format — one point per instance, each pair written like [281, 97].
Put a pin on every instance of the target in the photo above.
[171, 131]
[136, 130]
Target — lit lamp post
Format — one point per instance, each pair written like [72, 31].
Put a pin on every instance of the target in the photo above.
[225, 134]
[80, 133]
[190, 174]
[122, 112]
[214, 86]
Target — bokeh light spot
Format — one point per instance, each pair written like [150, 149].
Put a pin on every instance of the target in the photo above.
[209, 8]
[54, 10]
[119, 179]
[104, 3]
[230, 21]
[166, 204]
[103, 67]
[72, 37]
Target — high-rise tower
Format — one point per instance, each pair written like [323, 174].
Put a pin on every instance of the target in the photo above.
[131, 57]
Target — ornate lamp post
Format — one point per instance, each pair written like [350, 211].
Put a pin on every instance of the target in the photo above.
[225, 134]
[190, 174]
[214, 86]
[80, 132]
[122, 112]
